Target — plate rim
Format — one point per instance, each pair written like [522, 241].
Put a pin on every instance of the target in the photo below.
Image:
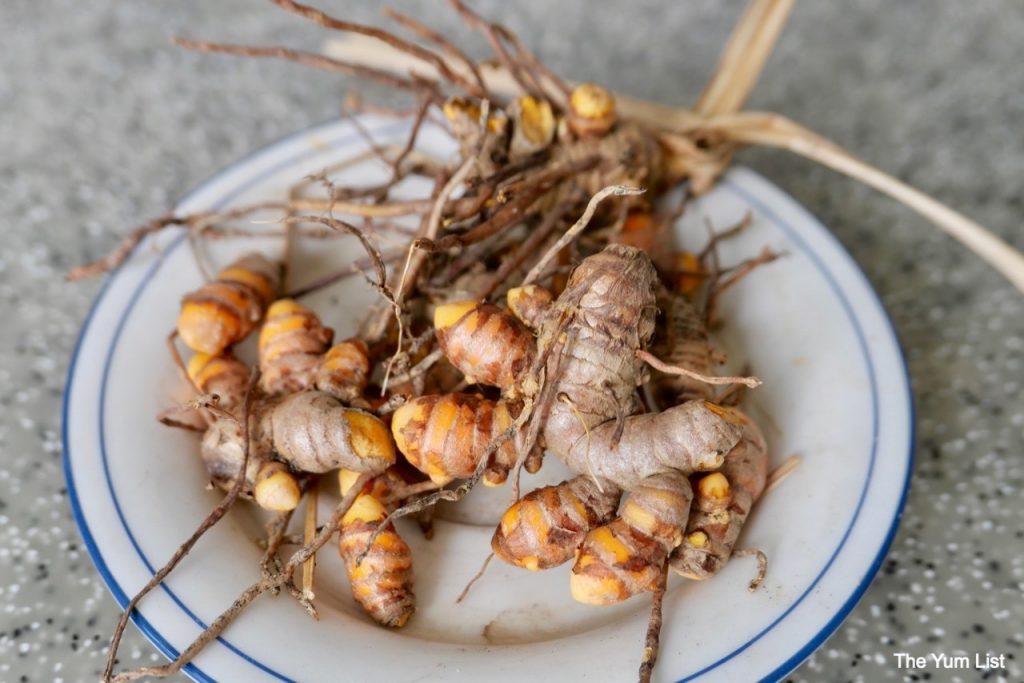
[160, 642]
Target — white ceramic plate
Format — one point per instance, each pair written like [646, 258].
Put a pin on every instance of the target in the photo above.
[836, 392]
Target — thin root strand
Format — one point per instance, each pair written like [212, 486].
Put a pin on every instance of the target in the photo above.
[762, 565]
[653, 640]
[661, 366]
[476, 577]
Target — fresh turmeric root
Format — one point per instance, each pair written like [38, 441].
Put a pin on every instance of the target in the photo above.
[722, 504]
[589, 335]
[380, 575]
[223, 312]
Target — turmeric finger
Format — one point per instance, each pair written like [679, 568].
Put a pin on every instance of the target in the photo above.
[445, 436]
[721, 506]
[382, 581]
[292, 340]
[625, 557]
[315, 433]
[223, 375]
[344, 370]
[542, 529]
[223, 312]
[485, 342]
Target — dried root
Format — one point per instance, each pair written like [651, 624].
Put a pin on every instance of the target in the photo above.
[224, 312]
[215, 516]
[248, 596]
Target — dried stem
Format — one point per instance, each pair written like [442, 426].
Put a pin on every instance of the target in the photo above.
[179, 362]
[740, 65]
[420, 368]
[124, 249]
[564, 337]
[773, 130]
[416, 51]
[653, 640]
[308, 533]
[313, 60]
[512, 212]
[354, 268]
[719, 284]
[276, 536]
[674, 124]
[782, 472]
[499, 81]
[211, 519]
[537, 237]
[376, 261]
[410, 141]
[411, 207]
[433, 36]
[728, 233]
[536, 67]
[197, 222]
[403, 492]
[570, 234]
[416, 257]
[494, 35]
[433, 225]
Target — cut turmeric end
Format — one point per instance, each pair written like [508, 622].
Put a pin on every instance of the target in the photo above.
[714, 486]
[365, 509]
[537, 120]
[346, 480]
[593, 590]
[698, 539]
[640, 518]
[456, 107]
[591, 110]
[591, 101]
[515, 297]
[415, 411]
[369, 437]
[605, 539]
[460, 107]
[276, 488]
[447, 315]
[197, 364]
[206, 328]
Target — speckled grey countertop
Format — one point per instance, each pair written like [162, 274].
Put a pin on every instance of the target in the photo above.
[102, 123]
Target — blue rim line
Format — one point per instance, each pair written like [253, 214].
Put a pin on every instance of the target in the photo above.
[193, 671]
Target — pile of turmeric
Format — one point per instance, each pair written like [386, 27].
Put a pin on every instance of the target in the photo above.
[539, 309]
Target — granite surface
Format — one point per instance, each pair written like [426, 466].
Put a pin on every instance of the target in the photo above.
[103, 123]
